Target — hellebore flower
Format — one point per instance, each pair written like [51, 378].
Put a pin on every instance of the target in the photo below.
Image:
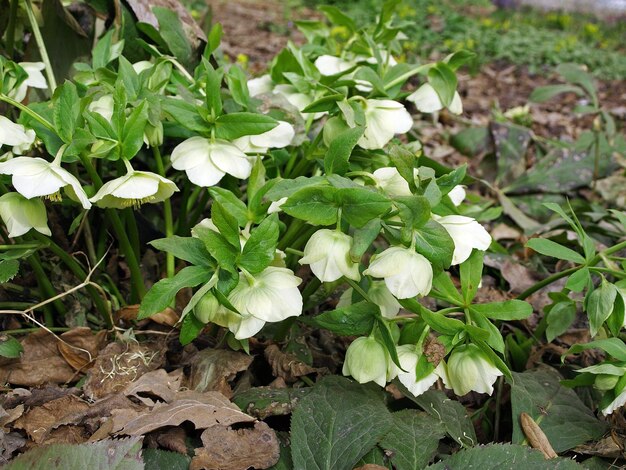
[260, 85]
[457, 194]
[379, 294]
[366, 361]
[331, 65]
[35, 79]
[427, 100]
[15, 135]
[20, 214]
[103, 106]
[133, 189]
[618, 402]
[389, 180]
[406, 272]
[269, 296]
[328, 254]
[383, 119]
[469, 369]
[34, 177]
[279, 137]
[408, 357]
[208, 309]
[206, 162]
[466, 234]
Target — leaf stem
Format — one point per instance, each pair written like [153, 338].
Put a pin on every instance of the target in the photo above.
[167, 213]
[41, 45]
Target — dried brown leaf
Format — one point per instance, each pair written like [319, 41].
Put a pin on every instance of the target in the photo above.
[37, 396]
[81, 346]
[230, 449]
[9, 443]
[213, 409]
[7, 417]
[212, 369]
[286, 365]
[536, 437]
[173, 439]
[158, 384]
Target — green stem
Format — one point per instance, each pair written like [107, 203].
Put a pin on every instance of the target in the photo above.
[131, 228]
[19, 331]
[80, 273]
[358, 289]
[30, 112]
[11, 28]
[21, 246]
[167, 213]
[46, 287]
[41, 45]
[294, 252]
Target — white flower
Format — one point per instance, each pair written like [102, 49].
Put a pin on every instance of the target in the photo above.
[142, 65]
[260, 85]
[331, 65]
[207, 162]
[383, 119]
[406, 273]
[278, 137]
[469, 369]
[366, 360]
[427, 100]
[408, 360]
[620, 400]
[103, 106]
[133, 189]
[20, 214]
[35, 79]
[269, 296]
[390, 181]
[328, 254]
[15, 135]
[385, 56]
[34, 177]
[457, 195]
[244, 326]
[466, 234]
[275, 205]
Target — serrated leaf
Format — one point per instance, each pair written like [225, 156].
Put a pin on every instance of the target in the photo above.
[503, 457]
[163, 292]
[8, 269]
[108, 454]
[551, 248]
[559, 319]
[190, 249]
[259, 250]
[613, 346]
[190, 329]
[443, 79]
[435, 243]
[231, 203]
[562, 416]
[336, 424]
[600, 304]
[66, 110]
[157, 459]
[220, 249]
[360, 205]
[340, 149]
[507, 310]
[10, 347]
[355, 319]
[471, 275]
[363, 238]
[315, 204]
[234, 125]
[413, 439]
[134, 127]
[226, 224]
[172, 32]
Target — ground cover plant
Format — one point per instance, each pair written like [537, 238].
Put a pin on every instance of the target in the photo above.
[208, 269]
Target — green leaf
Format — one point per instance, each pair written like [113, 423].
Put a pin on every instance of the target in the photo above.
[360, 205]
[66, 111]
[471, 275]
[186, 114]
[234, 125]
[353, 320]
[444, 289]
[503, 457]
[163, 292]
[507, 310]
[157, 459]
[262, 402]
[562, 416]
[363, 238]
[574, 73]
[550, 248]
[494, 338]
[190, 249]
[287, 187]
[231, 203]
[413, 210]
[336, 424]
[600, 305]
[226, 224]
[413, 439]
[172, 32]
[127, 77]
[459, 58]
[103, 52]
[578, 280]
[10, 347]
[8, 269]
[472, 141]
[435, 244]
[326, 103]
[388, 341]
[449, 413]
[134, 127]
[437, 321]
[190, 329]
[559, 319]
[315, 204]
[450, 180]
[612, 346]
[237, 84]
[216, 244]
[214, 39]
[340, 149]
[213, 89]
[337, 17]
[545, 93]
[259, 250]
[404, 161]
[443, 79]
[109, 454]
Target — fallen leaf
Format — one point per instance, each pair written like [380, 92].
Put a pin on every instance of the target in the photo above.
[81, 346]
[39, 421]
[212, 369]
[536, 437]
[205, 410]
[9, 443]
[285, 365]
[36, 396]
[158, 384]
[173, 439]
[7, 417]
[167, 317]
[119, 364]
[237, 449]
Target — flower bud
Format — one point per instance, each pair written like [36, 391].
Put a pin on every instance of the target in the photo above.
[366, 361]
[328, 254]
[606, 381]
[209, 310]
[469, 369]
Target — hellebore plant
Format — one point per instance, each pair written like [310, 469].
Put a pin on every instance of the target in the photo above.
[303, 184]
